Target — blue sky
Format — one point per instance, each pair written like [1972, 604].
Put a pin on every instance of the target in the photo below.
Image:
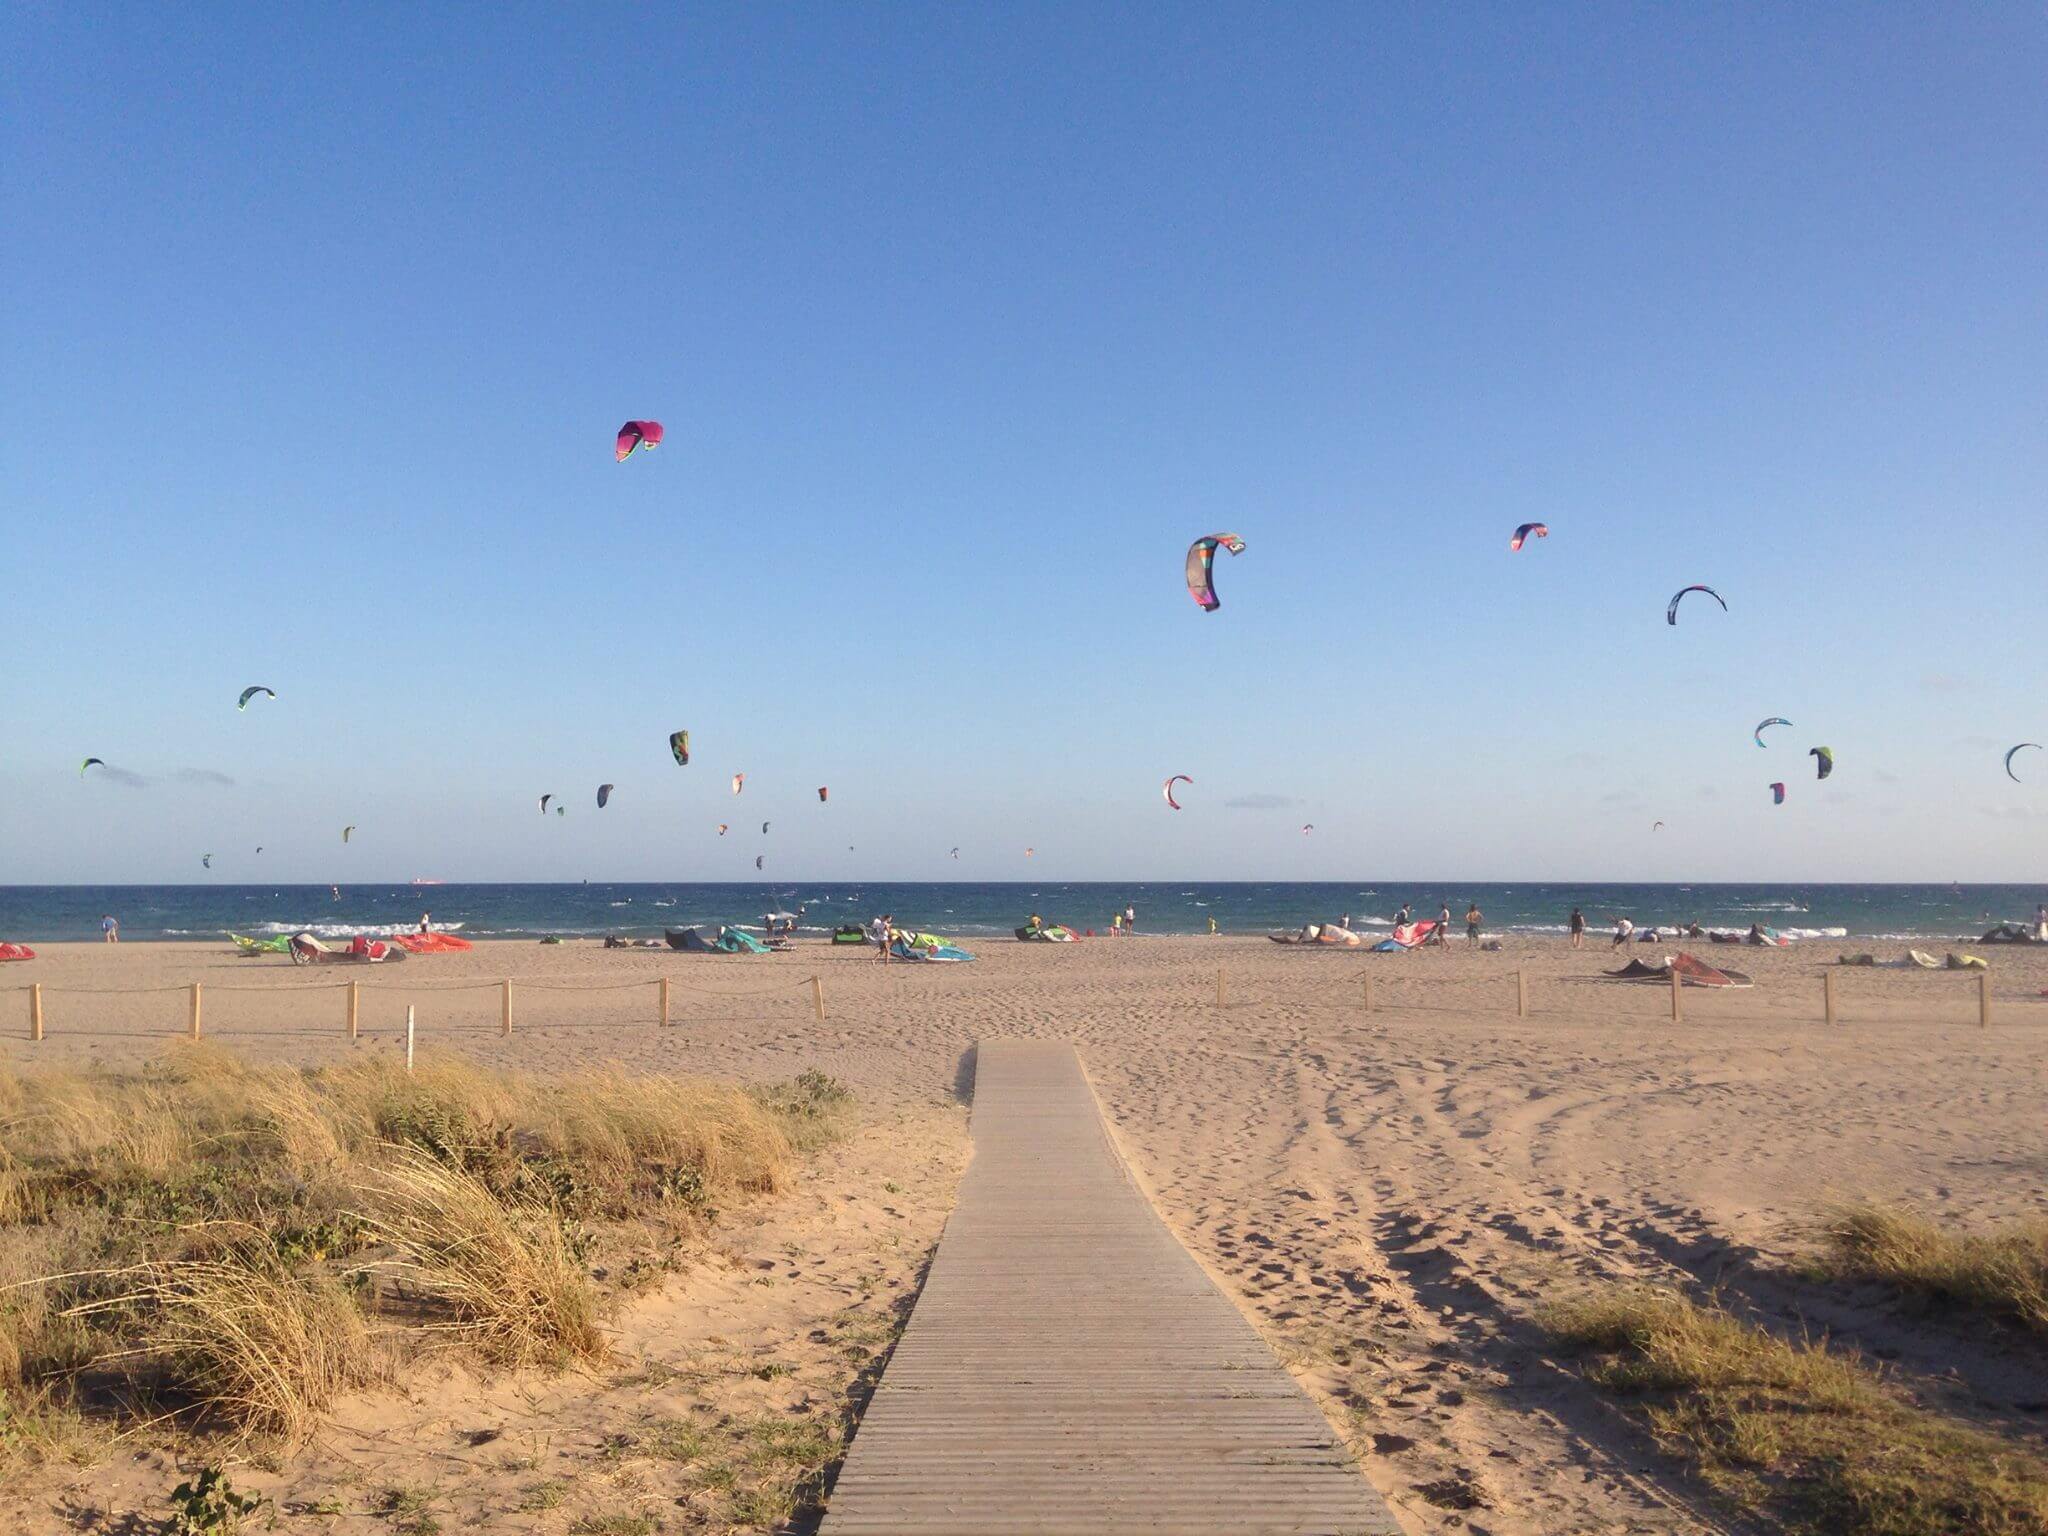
[316, 326]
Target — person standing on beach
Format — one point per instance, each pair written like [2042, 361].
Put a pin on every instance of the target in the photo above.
[2041, 923]
[1402, 918]
[1622, 929]
[1578, 929]
[1116, 925]
[1212, 927]
[1442, 936]
[1130, 919]
[1472, 922]
[426, 922]
[110, 931]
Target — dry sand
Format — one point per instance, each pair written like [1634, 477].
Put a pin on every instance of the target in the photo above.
[1386, 1195]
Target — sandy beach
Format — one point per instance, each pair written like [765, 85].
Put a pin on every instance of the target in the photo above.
[1384, 1194]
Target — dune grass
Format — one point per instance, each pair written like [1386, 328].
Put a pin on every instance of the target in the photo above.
[234, 1245]
[2000, 1275]
[1796, 1431]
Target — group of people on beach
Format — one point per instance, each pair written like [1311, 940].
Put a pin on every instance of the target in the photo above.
[1475, 922]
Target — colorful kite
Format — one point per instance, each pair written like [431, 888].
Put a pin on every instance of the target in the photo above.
[1671, 613]
[1541, 530]
[1777, 794]
[739, 781]
[1826, 761]
[679, 744]
[824, 793]
[1201, 558]
[544, 799]
[604, 795]
[638, 434]
[250, 693]
[103, 763]
[1167, 788]
[1774, 720]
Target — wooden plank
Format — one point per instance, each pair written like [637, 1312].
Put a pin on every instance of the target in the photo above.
[1070, 1368]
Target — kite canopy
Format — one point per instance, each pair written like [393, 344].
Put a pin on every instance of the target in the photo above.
[739, 781]
[1671, 613]
[1777, 794]
[638, 434]
[1307, 827]
[206, 860]
[764, 829]
[544, 799]
[2008, 759]
[1540, 530]
[1201, 557]
[723, 828]
[250, 693]
[679, 744]
[604, 795]
[1824, 760]
[103, 763]
[1656, 825]
[757, 859]
[1774, 720]
[956, 853]
[347, 832]
[1167, 788]
[824, 793]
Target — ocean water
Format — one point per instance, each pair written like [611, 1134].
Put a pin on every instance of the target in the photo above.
[206, 912]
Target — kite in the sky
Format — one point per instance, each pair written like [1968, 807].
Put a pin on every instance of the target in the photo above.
[2008, 759]
[956, 853]
[604, 795]
[739, 781]
[1028, 852]
[758, 858]
[1656, 826]
[1307, 827]
[1201, 557]
[348, 831]
[1777, 794]
[103, 763]
[1774, 720]
[1671, 613]
[723, 828]
[638, 434]
[1540, 530]
[679, 744]
[824, 793]
[206, 860]
[1167, 788]
[259, 847]
[561, 810]
[544, 799]
[1825, 760]
[764, 829]
[250, 693]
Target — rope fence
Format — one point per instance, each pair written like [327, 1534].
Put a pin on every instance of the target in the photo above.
[196, 993]
[1358, 992]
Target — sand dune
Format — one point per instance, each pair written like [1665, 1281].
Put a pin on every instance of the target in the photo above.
[1385, 1195]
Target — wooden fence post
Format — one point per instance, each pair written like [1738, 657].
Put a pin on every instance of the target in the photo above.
[1219, 986]
[1521, 993]
[195, 1010]
[35, 1010]
[664, 1002]
[818, 998]
[1827, 995]
[408, 1039]
[1677, 1007]
[1983, 999]
[355, 992]
[505, 1008]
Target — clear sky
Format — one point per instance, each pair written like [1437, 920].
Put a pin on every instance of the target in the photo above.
[316, 324]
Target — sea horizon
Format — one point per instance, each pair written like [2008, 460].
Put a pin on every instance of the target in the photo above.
[642, 909]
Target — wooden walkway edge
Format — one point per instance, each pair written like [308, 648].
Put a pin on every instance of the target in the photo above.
[1070, 1368]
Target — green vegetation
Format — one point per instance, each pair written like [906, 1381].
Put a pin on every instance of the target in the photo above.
[233, 1245]
[2002, 1276]
[1796, 1431]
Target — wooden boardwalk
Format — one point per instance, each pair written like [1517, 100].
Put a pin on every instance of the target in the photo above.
[1070, 1368]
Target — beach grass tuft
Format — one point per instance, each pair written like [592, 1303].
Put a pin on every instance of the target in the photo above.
[2001, 1275]
[236, 1244]
[1795, 1431]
